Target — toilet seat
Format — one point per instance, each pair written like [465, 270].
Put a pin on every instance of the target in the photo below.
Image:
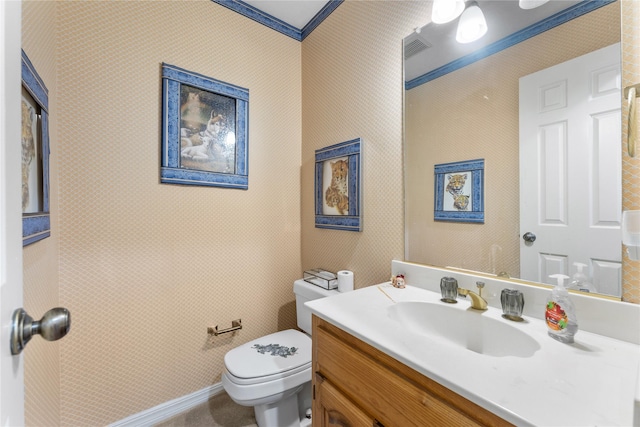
[267, 378]
[269, 358]
[273, 373]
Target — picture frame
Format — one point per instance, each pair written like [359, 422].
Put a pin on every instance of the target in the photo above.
[36, 220]
[338, 186]
[459, 191]
[205, 135]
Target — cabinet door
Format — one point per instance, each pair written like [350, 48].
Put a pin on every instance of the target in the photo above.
[365, 385]
[332, 408]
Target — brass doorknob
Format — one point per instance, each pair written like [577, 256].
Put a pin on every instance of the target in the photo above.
[54, 325]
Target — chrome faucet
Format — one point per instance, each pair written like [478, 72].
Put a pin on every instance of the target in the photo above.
[477, 302]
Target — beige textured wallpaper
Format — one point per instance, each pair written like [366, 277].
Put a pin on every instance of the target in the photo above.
[445, 121]
[352, 87]
[144, 267]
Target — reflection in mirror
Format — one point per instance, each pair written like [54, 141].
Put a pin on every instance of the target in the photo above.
[476, 111]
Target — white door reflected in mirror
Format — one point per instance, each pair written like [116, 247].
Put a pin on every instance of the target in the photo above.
[570, 164]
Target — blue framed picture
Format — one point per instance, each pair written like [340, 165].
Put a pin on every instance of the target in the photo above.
[204, 131]
[36, 221]
[459, 191]
[337, 186]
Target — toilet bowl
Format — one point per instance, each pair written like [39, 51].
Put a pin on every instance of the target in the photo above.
[273, 373]
[267, 373]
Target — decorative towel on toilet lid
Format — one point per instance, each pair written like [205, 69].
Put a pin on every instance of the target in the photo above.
[276, 354]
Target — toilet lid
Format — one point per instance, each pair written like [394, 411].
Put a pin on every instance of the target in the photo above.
[269, 355]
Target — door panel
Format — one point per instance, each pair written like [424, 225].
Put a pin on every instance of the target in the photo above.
[11, 367]
[570, 127]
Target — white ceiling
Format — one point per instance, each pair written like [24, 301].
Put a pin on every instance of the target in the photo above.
[294, 12]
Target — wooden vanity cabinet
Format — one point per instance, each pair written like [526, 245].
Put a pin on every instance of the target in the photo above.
[355, 384]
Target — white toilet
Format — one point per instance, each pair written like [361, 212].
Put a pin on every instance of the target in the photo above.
[273, 373]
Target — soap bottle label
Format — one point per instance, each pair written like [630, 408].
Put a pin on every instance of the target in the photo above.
[555, 316]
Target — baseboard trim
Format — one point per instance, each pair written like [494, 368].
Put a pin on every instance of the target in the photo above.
[164, 411]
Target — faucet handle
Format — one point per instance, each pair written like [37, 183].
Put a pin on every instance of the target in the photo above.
[512, 302]
[449, 290]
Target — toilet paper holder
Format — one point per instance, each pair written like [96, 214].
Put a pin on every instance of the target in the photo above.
[235, 326]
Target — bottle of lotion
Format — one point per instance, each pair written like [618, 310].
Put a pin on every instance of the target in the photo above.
[560, 313]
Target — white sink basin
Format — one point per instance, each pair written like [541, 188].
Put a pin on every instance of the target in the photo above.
[471, 329]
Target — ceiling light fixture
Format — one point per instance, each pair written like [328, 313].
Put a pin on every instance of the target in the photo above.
[531, 4]
[472, 24]
[444, 11]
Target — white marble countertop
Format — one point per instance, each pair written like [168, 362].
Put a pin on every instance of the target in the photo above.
[590, 382]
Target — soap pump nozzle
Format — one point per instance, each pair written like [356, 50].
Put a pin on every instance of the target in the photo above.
[579, 267]
[560, 279]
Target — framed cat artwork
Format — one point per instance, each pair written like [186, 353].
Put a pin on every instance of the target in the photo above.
[337, 186]
[459, 191]
[204, 130]
[36, 222]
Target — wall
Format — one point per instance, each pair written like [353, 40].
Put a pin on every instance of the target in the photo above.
[146, 267]
[440, 128]
[352, 87]
[40, 260]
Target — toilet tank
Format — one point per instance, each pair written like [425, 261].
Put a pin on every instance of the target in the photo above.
[307, 292]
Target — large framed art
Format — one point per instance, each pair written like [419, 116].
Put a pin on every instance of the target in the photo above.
[337, 186]
[204, 130]
[36, 222]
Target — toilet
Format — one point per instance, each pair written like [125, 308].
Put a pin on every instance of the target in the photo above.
[273, 373]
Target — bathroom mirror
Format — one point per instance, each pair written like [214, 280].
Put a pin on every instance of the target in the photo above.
[468, 108]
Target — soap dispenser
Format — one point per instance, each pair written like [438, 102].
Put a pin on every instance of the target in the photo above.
[560, 314]
[580, 281]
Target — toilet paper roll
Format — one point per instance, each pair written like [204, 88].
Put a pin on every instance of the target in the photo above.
[345, 281]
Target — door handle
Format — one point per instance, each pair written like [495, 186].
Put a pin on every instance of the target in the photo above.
[631, 93]
[54, 325]
[529, 237]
